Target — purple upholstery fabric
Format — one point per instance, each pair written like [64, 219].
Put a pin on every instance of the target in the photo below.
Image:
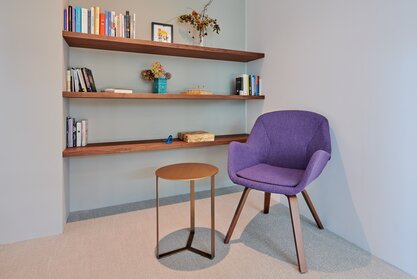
[297, 140]
[272, 175]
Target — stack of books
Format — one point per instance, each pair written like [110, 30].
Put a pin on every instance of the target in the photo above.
[77, 132]
[249, 85]
[197, 136]
[80, 80]
[99, 22]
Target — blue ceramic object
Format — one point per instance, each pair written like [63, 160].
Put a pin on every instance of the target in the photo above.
[160, 85]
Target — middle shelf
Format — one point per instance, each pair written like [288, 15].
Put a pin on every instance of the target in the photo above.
[146, 145]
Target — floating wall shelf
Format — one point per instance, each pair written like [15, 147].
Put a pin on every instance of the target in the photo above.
[105, 95]
[150, 47]
[146, 145]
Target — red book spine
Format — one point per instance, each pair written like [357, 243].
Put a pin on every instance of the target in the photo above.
[102, 19]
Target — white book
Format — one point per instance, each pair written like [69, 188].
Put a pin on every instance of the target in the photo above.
[118, 90]
[113, 25]
[75, 78]
[68, 81]
[84, 20]
[261, 93]
[92, 20]
[79, 137]
[133, 26]
[122, 26]
[84, 132]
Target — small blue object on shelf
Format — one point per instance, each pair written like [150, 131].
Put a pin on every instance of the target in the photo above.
[169, 140]
[160, 85]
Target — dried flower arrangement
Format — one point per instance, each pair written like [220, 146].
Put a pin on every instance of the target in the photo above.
[156, 71]
[200, 22]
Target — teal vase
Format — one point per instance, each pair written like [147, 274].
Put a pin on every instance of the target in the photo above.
[160, 85]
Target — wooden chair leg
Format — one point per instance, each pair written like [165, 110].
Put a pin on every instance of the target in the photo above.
[237, 214]
[312, 210]
[298, 235]
[267, 201]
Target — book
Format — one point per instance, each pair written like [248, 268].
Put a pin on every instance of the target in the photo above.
[106, 23]
[70, 127]
[197, 136]
[65, 19]
[91, 20]
[86, 80]
[117, 90]
[77, 19]
[88, 21]
[76, 87]
[261, 93]
[102, 20]
[239, 84]
[82, 82]
[78, 134]
[133, 28]
[84, 20]
[68, 79]
[84, 132]
[91, 80]
[113, 26]
[69, 14]
[96, 20]
[73, 19]
[127, 28]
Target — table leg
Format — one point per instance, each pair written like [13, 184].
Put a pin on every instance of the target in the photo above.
[157, 219]
[192, 206]
[213, 244]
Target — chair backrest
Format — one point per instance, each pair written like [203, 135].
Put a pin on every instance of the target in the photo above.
[289, 138]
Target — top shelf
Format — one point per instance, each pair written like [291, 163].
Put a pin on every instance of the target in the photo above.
[144, 46]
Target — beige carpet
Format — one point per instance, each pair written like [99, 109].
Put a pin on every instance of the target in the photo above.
[123, 245]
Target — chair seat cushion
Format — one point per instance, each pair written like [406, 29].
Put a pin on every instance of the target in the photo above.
[265, 173]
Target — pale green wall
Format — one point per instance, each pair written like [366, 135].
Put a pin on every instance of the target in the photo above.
[31, 169]
[116, 179]
[356, 63]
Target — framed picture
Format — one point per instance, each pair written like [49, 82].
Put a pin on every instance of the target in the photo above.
[162, 32]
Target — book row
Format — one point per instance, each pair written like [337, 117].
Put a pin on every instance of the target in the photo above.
[249, 85]
[77, 132]
[80, 80]
[99, 22]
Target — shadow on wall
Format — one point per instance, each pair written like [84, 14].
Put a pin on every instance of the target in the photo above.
[333, 200]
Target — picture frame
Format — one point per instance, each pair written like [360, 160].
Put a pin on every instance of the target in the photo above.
[162, 32]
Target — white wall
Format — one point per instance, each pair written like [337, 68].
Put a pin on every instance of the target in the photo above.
[122, 178]
[356, 63]
[31, 170]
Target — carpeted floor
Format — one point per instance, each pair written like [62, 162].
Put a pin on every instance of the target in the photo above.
[123, 246]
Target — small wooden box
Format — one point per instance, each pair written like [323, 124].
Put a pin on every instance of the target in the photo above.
[197, 136]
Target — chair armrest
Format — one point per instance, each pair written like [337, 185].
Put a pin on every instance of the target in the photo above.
[314, 168]
[241, 156]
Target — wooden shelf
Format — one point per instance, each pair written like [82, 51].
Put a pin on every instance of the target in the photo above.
[105, 95]
[143, 46]
[145, 145]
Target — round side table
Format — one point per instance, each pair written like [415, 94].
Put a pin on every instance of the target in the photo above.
[187, 172]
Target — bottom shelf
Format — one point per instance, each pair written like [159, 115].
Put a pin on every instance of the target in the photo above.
[145, 145]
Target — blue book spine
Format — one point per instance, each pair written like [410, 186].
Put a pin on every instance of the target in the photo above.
[108, 23]
[257, 86]
[65, 20]
[77, 19]
[105, 23]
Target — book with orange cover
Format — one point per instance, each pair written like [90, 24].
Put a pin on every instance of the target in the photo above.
[102, 19]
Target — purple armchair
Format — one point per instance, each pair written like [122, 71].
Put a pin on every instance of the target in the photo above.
[285, 152]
